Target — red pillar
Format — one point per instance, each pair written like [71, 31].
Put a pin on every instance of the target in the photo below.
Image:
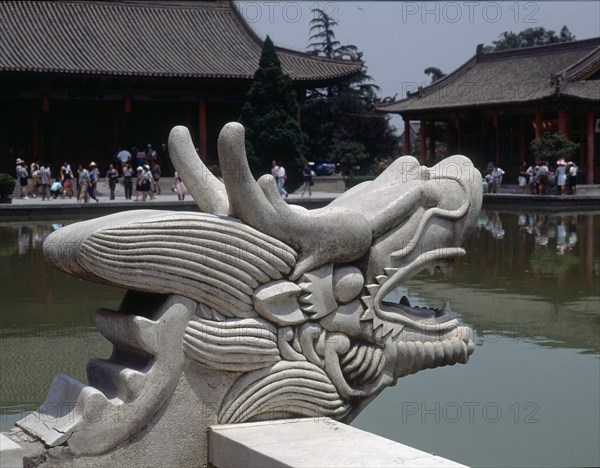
[522, 143]
[37, 130]
[422, 142]
[458, 134]
[406, 142]
[562, 122]
[538, 124]
[497, 131]
[431, 160]
[202, 128]
[589, 173]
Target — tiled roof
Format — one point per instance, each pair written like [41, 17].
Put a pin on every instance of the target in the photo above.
[185, 39]
[509, 77]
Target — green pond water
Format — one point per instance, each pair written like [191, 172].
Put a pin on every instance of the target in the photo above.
[529, 396]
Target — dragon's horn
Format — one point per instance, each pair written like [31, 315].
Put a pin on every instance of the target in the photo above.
[206, 190]
[326, 235]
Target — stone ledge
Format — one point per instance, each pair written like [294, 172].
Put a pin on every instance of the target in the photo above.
[307, 443]
[11, 453]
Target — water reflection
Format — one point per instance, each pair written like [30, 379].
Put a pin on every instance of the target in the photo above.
[533, 276]
[46, 323]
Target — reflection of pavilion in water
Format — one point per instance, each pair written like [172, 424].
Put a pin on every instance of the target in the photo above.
[562, 228]
[31, 237]
[531, 277]
[22, 266]
[559, 245]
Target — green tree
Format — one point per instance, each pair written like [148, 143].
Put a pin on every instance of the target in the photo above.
[269, 115]
[348, 152]
[345, 111]
[552, 146]
[530, 37]
[434, 73]
[322, 36]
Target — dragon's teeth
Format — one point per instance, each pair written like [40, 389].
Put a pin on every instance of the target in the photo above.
[404, 301]
[390, 271]
[381, 279]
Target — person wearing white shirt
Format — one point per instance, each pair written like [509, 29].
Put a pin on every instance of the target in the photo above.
[281, 178]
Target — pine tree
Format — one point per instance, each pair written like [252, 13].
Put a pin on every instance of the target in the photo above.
[530, 37]
[340, 119]
[269, 115]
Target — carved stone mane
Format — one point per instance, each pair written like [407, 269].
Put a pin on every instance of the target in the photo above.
[253, 309]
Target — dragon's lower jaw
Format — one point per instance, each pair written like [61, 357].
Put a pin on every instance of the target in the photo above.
[416, 351]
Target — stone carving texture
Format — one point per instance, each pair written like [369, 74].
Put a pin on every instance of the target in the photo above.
[290, 302]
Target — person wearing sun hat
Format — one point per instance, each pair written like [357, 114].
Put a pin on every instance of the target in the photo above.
[94, 176]
[561, 175]
[22, 176]
[83, 182]
[139, 182]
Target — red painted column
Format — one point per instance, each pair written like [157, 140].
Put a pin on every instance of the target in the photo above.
[202, 128]
[406, 142]
[431, 160]
[422, 142]
[522, 143]
[458, 134]
[589, 173]
[538, 124]
[562, 122]
[496, 120]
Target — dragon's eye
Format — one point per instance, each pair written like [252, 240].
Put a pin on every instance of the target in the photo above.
[348, 282]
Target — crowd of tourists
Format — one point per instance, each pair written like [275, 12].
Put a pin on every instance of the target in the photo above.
[537, 178]
[82, 182]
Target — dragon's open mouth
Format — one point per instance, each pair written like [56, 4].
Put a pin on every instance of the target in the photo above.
[403, 314]
[405, 308]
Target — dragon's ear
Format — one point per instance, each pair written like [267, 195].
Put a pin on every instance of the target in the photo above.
[217, 261]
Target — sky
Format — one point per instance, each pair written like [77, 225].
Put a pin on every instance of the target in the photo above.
[401, 39]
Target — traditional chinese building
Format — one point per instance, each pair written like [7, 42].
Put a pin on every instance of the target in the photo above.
[496, 103]
[79, 79]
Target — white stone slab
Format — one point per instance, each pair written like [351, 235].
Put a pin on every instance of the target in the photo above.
[11, 453]
[310, 442]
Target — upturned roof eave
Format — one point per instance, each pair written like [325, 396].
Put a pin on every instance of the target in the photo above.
[300, 66]
[353, 67]
[400, 107]
[491, 105]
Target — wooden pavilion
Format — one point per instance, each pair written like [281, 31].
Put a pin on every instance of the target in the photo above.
[79, 79]
[496, 103]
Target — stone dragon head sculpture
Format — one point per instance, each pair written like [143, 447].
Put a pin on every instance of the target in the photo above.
[283, 308]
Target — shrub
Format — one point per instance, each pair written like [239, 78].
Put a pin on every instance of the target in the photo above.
[552, 146]
[7, 187]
